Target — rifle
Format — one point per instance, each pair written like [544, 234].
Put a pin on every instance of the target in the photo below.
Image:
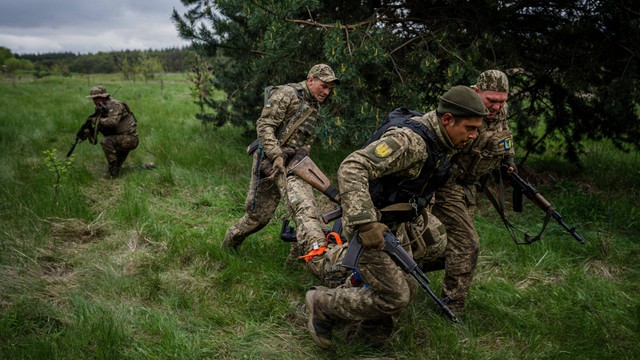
[521, 187]
[400, 256]
[257, 174]
[81, 136]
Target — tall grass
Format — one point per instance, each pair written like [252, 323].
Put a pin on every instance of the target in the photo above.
[133, 268]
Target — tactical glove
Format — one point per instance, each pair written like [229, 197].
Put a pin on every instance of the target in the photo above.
[372, 235]
[278, 166]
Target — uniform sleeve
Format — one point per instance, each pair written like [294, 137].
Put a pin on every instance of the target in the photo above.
[400, 151]
[510, 158]
[114, 112]
[272, 116]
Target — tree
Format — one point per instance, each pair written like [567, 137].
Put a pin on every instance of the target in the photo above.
[567, 60]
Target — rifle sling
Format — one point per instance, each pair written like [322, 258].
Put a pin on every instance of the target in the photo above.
[296, 124]
[498, 204]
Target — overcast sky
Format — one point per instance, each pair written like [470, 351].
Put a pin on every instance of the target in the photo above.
[82, 26]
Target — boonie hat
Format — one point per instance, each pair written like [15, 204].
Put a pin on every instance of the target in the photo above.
[493, 80]
[462, 101]
[98, 91]
[324, 73]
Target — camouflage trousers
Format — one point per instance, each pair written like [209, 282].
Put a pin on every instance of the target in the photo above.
[116, 148]
[262, 201]
[455, 206]
[388, 291]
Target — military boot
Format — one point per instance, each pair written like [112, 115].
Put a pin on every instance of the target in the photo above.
[114, 171]
[292, 258]
[231, 239]
[318, 323]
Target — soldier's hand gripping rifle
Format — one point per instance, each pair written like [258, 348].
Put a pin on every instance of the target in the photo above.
[307, 170]
[405, 261]
[87, 128]
[521, 187]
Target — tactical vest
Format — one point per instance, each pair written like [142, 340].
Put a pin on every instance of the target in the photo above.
[484, 154]
[390, 189]
[305, 130]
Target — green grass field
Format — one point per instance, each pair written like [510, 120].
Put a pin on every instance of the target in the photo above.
[132, 267]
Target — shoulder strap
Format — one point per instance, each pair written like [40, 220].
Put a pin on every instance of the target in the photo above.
[300, 93]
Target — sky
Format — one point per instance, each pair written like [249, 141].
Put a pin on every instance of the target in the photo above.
[81, 26]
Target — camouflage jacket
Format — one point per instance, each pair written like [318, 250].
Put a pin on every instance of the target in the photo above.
[116, 119]
[287, 104]
[400, 152]
[493, 146]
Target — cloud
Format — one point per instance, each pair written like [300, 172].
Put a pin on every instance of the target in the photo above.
[41, 26]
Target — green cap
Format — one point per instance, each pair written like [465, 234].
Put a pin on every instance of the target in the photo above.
[324, 73]
[462, 101]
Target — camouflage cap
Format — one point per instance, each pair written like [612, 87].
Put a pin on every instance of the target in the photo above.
[98, 91]
[324, 73]
[462, 101]
[493, 80]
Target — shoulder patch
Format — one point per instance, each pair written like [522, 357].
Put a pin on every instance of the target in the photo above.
[383, 150]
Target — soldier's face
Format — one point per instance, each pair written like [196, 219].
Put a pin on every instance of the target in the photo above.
[462, 131]
[319, 89]
[493, 101]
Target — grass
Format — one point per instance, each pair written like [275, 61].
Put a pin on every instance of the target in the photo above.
[132, 268]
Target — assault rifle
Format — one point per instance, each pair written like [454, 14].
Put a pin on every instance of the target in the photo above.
[307, 170]
[521, 187]
[81, 135]
[405, 261]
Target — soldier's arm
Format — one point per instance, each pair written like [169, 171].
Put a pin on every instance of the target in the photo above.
[273, 115]
[400, 151]
[112, 114]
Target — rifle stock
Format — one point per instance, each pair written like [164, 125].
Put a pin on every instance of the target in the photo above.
[520, 185]
[308, 171]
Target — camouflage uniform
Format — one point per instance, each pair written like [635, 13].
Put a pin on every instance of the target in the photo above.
[285, 106]
[117, 124]
[456, 201]
[388, 289]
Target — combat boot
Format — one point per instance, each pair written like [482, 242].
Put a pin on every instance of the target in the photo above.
[231, 239]
[292, 258]
[114, 171]
[318, 323]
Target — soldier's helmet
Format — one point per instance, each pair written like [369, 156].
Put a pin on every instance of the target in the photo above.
[324, 73]
[98, 91]
[493, 80]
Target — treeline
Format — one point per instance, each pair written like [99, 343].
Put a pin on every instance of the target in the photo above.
[129, 62]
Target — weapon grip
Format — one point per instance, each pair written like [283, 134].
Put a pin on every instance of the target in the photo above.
[354, 251]
[332, 215]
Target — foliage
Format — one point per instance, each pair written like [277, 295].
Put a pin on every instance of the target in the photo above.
[171, 60]
[59, 168]
[201, 87]
[567, 60]
[132, 267]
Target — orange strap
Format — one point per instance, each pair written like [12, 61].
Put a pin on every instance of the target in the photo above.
[313, 253]
[336, 237]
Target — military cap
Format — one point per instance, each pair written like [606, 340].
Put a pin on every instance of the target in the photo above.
[98, 91]
[493, 80]
[462, 101]
[324, 73]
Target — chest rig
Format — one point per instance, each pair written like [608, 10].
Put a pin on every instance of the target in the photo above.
[390, 191]
[299, 129]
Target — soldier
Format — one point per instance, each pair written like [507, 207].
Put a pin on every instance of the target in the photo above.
[455, 202]
[286, 131]
[403, 165]
[115, 121]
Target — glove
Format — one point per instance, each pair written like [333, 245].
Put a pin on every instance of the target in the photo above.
[278, 166]
[300, 154]
[372, 235]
